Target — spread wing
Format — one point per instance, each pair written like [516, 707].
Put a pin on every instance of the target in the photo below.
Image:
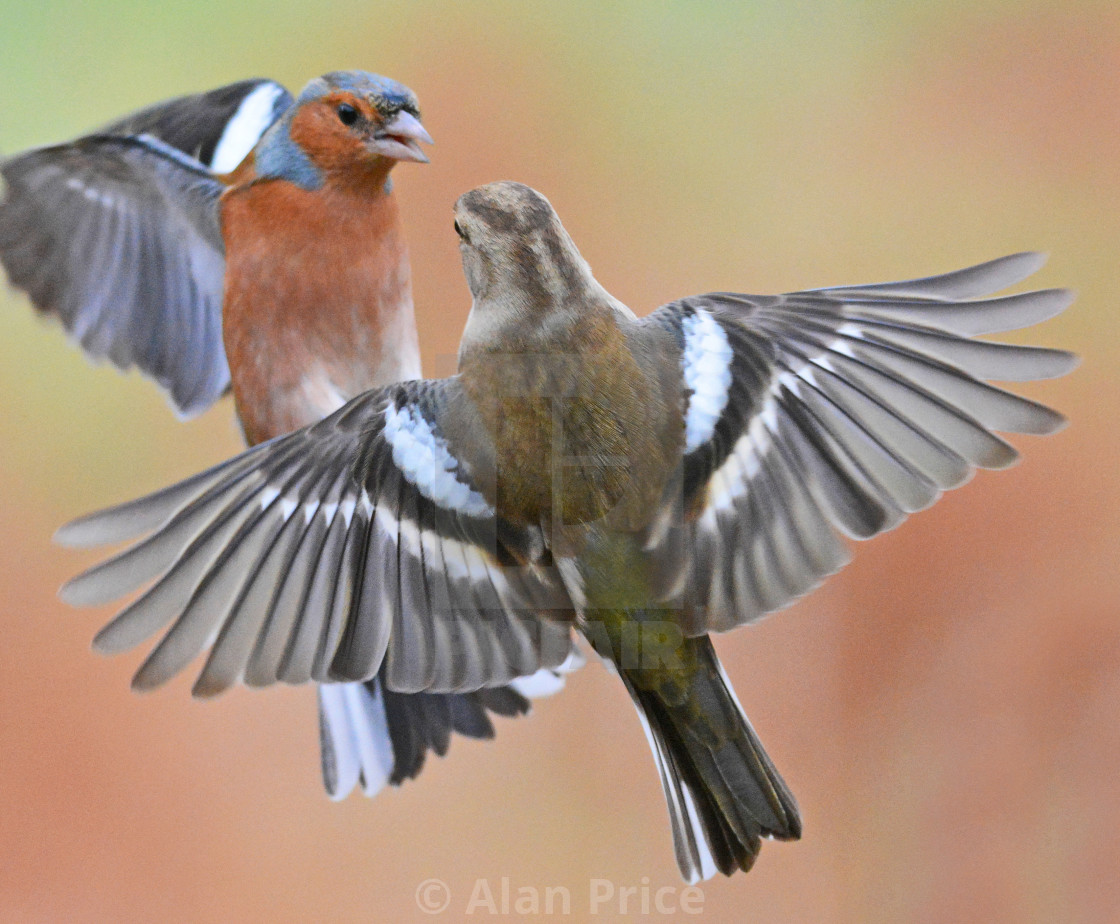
[217, 128]
[117, 235]
[357, 543]
[836, 412]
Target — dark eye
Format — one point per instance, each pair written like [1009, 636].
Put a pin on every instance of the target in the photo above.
[462, 234]
[347, 114]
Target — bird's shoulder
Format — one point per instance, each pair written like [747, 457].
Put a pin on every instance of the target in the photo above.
[216, 127]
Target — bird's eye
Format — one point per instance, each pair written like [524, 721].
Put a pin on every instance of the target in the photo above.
[347, 114]
[462, 234]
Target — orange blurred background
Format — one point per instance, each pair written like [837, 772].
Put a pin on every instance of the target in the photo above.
[947, 710]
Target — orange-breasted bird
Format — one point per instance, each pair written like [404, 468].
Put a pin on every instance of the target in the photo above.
[285, 277]
[646, 481]
[244, 239]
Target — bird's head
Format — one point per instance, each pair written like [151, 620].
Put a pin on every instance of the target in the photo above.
[515, 250]
[351, 124]
[528, 280]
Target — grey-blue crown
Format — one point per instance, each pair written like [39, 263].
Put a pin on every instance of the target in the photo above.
[389, 93]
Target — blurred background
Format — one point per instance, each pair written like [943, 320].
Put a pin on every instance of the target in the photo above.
[947, 710]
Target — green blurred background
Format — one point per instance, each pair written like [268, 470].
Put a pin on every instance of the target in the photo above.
[946, 710]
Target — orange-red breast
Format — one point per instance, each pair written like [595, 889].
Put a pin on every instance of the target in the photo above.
[647, 481]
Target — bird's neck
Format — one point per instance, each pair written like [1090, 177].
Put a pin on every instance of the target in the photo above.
[318, 300]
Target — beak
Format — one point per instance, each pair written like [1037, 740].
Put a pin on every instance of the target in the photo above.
[399, 138]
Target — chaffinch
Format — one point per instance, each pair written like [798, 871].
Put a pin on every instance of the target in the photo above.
[245, 239]
[152, 256]
[645, 481]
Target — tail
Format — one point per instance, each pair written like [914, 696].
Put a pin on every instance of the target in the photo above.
[370, 735]
[723, 792]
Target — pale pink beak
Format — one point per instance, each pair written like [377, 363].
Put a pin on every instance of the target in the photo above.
[400, 137]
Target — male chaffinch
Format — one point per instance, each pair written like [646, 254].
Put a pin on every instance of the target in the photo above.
[242, 238]
[237, 238]
[646, 481]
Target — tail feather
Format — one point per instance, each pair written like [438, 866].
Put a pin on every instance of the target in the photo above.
[723, 792]
[370, 735]
[694, 857]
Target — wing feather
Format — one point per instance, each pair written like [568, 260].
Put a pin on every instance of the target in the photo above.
[116, 234]
[333, 554]
[118, 238]
[845, 410]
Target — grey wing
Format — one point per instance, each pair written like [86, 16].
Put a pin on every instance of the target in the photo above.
[217, 128]
[818, 415]
[329, 554]
[119, 239]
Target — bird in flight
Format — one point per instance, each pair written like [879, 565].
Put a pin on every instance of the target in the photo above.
[643, 482]
[244, 239]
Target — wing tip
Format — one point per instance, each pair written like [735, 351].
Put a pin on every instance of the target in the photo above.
[207, 687]
[1050, 422]
[147, 678]
[105, 527]
[1055, 363]
[1057, 300]
[998, 460]
[105, 642]
[1030, 261]
[1069, 293]
[82, 533]
[71, 592]
[1010, 270]
[89, 589]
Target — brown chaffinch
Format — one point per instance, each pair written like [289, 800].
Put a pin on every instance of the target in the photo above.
[245, 239]
[646, 481]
